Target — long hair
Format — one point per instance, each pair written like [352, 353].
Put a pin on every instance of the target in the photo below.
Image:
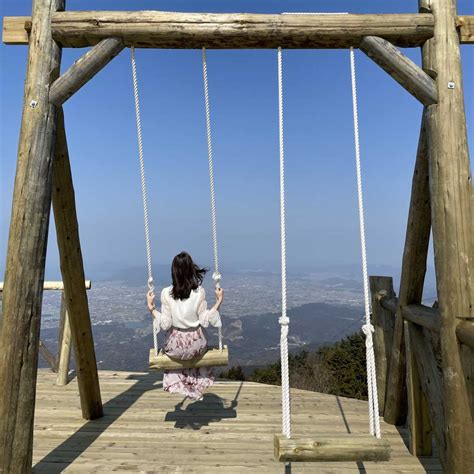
[186, 275]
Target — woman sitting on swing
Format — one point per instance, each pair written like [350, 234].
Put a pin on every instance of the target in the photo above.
[184, 314]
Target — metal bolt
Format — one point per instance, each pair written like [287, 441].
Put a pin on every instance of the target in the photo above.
[33, 103]
[450, 85]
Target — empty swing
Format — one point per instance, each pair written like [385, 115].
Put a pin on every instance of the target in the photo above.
[157, 358]
[332, 447]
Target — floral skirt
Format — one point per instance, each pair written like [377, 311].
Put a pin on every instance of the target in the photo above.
[185, 345]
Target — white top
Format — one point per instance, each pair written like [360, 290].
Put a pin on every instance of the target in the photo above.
[188, 313]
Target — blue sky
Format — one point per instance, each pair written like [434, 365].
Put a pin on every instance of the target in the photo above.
[322, 218]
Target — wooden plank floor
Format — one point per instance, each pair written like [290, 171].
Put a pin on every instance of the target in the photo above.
[147, 430]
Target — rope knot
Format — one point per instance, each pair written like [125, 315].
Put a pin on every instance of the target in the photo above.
[284, 321]
[217, 277]
[368, 330]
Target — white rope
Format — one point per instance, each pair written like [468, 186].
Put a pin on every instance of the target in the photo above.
[216, 276]
[367, 328]
[141, 158]
[284, 320]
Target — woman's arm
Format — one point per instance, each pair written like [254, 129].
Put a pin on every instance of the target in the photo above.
[163, 318]
[210, 316]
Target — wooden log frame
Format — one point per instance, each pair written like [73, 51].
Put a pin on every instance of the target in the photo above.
[24, 276]
[155, 29]
[411, 290]
[453, 227]
[402, 69]
[84, 69]
[383, 323]
[337, 448]
[72, 270]
[212, 358]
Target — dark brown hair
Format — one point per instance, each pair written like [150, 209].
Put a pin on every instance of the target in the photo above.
[186, 275]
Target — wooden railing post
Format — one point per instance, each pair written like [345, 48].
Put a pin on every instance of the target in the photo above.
[383, 321]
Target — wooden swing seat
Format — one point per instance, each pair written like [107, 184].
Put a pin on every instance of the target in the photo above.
[331, 447]
[212, 358]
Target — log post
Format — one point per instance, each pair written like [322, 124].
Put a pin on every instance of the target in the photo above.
[383, 323]
[411, 289]
[27, 242]
[64, 345]
[72, 271]
[453, 227]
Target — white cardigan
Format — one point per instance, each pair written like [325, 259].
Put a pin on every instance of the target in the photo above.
[189, 313]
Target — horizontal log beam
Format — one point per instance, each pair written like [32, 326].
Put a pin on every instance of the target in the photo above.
[337, 448]
[154, 29]
[466, 29]
[422, 316]
[84, 69]
[465, 333]
[429, 318]
[56, 285]
[402, 69]
[390, 303]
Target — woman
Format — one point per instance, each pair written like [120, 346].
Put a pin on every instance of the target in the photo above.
[184, 314]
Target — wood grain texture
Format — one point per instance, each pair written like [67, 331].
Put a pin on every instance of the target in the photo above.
[401, 69]
[453, 228]
[327, 448]
[430, 379]
[72, 270]
[84, 69]
[231, 430]
[155, 29]
[212, 358]
[26, 253]
[419, 423]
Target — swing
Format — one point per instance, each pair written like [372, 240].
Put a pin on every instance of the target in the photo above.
[214, 357]
[345, 447]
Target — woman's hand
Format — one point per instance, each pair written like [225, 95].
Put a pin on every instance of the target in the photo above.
[219, 296]
[150, 299]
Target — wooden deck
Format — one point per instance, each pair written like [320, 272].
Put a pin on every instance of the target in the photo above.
[231, 430]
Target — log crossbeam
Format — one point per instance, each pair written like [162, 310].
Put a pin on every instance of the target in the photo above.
[155, 29]
[241, 30]
[84, 69]
[401, 68]
[430, 319]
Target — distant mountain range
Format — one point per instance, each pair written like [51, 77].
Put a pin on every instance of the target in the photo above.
[252, 340]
